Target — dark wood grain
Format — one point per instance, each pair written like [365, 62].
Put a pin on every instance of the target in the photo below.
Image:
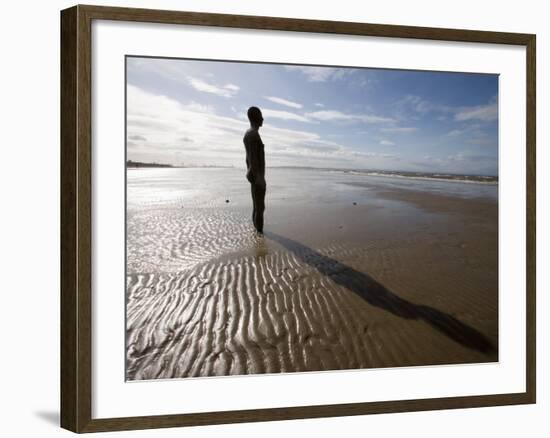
[300, 25]
[76, 217]
[76, 251]
[531, 250]
[69, 329]
[338, 410]
[84, 222]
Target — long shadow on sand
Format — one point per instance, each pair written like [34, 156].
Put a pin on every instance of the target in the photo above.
[377, 295]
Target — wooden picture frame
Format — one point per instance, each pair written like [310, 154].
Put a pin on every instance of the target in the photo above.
[76, 217]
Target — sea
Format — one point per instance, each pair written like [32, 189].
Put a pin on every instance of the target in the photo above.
[207, 187]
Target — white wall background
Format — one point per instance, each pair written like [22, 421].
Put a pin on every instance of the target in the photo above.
[29, 206]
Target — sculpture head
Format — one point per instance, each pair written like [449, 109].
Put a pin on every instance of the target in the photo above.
[255, 116]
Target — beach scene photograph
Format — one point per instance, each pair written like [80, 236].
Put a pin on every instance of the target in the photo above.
[298, 218]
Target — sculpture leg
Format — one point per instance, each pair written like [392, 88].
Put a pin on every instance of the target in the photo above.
[253, 192]
[259, 206]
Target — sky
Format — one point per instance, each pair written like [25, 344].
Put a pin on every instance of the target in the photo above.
[193, 113]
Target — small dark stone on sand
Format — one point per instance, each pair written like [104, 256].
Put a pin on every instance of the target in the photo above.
[227, 200]
[355, 203]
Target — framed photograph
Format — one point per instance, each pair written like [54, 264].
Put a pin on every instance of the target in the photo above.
[270, 218]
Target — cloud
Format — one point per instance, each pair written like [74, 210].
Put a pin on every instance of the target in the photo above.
[474, 134]
[466, 156]
[333, 115]
[387, 143]
[186, 133]
[170, 126]
[482, 141]
[137, 138]
[399, 129]
[455, 133]
[321, 74]
[464, 162]
[228, 90]
[484, 113]
[320, 105]
[170, 69]
[375, 155]
[180, 71]
[284, 102]
[419, 105]
[284, 115]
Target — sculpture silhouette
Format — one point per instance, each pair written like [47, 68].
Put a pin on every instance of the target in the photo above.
[255, 166]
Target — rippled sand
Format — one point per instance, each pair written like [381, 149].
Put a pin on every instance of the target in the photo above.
[368, 285]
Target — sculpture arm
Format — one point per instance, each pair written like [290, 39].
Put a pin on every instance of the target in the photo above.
[255, 160]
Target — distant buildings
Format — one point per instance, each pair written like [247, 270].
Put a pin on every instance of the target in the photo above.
[131, 163]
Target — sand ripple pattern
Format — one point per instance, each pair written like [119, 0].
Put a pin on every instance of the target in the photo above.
[171, 240]
[294, 308]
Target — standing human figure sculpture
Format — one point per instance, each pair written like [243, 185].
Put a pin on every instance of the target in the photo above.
[255, 166]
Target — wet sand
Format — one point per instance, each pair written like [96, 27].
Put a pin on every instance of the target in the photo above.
[401, 278]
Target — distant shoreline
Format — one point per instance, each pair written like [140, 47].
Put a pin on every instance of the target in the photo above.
[475, 179]
[443, 176]
[426, 176]
[142, 165]
[139, 164]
